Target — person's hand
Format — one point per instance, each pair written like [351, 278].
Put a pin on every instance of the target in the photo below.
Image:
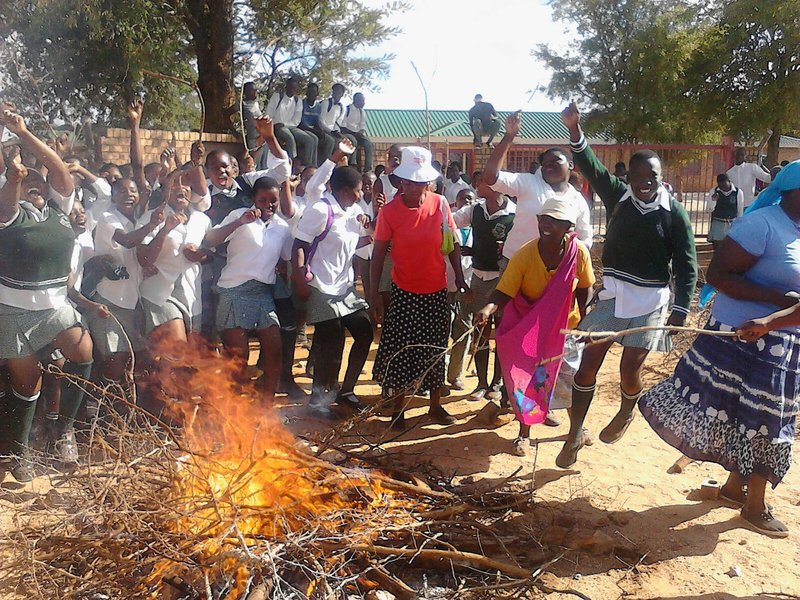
[715, 197]
[338, 155]
[168, 158]
[13, 122]
[464, 290]
[5, 105]
[157, 216]
[102, 311]
[571, 116]
[265, 127]
[376, 308]
[194, 254]
[514, 123]
[753, 330]
[249, 216]
[197, 153]
[363, 220]
[62, 145]
[174, 220]
[481, 318]
[677, 318]
[379, 200]
[15, 169]
[135, 110]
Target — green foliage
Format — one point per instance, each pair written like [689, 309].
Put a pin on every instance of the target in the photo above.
[70, 59]
[631, 60]
[73, 59]
[681, 70]
[319, 41]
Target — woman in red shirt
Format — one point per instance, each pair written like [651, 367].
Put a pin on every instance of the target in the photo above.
[410, 356]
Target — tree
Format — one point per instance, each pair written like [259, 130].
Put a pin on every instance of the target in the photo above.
[754, 77]
[88, 57]
[633, 61]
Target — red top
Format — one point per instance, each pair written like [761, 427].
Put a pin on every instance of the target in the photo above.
[416, 237]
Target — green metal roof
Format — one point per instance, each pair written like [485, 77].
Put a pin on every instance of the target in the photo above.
[403, 124]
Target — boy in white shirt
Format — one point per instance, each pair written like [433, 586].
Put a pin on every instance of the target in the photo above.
[743, 175]
[286, 110]
[354, 122]
[453, 184]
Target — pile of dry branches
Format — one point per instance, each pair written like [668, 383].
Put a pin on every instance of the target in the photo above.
[190, 512]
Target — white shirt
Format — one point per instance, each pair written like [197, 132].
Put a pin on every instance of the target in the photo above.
[744, 177]
[365, 252]
[330, 115]
[354, 119]
[315, 188]
[389, 191]
[123, 292]
[463, 218]
[451, 189]
[254, 250]
[283, 109]
[100, 204]
[332, 263]
[82, 251]
[466, 262]
[173, 267]
[532, 191]
[711, 203]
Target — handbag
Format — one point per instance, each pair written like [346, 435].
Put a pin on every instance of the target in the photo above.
[448, 238]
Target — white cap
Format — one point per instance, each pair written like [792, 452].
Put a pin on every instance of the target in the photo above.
[561, 209]
[415, 165]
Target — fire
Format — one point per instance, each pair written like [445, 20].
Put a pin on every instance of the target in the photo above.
[243, 478]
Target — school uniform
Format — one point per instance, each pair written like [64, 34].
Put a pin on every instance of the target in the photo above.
[174, 292]
[332, 233]
[648, 246]
[246, 283]
[310, 121]
[288, 111]
[35, 264]
[452, 189]
[82, 251]
[123, 333]
[354, 122]
[727, 207]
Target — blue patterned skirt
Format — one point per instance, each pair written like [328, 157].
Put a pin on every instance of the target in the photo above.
[732, 402]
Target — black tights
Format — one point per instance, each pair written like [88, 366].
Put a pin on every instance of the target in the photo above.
[328, 348]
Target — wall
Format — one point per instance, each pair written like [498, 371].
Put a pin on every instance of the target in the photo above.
[114, 146]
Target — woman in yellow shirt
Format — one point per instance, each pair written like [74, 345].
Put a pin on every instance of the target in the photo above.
[533, 266]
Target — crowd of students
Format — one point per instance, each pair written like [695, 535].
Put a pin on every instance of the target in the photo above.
[97, 269]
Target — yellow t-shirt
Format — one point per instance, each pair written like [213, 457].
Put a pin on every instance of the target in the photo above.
[527, 273]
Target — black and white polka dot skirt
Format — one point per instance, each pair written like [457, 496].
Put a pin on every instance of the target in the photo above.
[416, 330]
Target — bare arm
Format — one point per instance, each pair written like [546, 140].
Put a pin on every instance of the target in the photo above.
[10, 193]
[299, 254]
[148, 254]
[59, 177]
[726, 273]
[135, 110]
[782, 319]
[218, 235]
[498, 156]
[286, 203]
[197, 176]
[136, 237]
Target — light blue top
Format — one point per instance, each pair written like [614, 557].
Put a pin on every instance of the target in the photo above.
[774, 238]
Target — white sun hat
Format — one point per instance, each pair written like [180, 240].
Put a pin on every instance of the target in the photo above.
[415, 165]
[561, 209]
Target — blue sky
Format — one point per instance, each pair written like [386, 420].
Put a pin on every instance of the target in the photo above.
[464, 47]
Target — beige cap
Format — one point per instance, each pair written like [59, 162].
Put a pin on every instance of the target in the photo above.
[563, 209]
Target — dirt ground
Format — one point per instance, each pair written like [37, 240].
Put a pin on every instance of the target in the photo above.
[623, 491]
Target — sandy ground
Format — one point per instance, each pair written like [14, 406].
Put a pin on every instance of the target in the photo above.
[623, 491]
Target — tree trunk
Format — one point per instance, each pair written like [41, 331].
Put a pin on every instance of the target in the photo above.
[211, 24]
[774, 146]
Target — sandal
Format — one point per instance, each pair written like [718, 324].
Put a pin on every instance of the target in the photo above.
[519, 446]
[766, 524]
[441, 416]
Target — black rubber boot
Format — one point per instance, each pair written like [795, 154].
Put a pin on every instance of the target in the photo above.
[581, 400]
[614, 431]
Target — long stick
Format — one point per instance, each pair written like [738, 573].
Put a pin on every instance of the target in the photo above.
[606, 335]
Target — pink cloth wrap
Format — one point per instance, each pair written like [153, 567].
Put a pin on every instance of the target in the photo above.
[530, 333]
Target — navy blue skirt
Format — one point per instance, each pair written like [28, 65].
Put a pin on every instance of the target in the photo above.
[731, 402]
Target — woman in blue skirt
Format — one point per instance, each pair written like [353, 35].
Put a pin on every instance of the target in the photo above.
[733, 400]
